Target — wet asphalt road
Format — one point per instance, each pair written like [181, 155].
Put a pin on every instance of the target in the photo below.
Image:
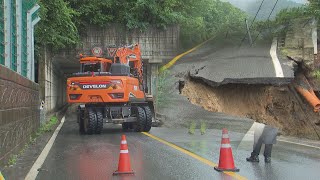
[75, 156]
[289, 161]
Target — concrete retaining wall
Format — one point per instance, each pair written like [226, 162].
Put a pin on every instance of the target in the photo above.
[52, 83]
[19, 111]
[156, 44]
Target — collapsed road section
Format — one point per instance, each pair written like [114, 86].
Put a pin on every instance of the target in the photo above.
[280, 106]
[247, 65]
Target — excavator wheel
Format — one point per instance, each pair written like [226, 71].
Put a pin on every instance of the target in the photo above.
[99, 122]
[91, 124]
[148, 123]
[81, 119]
[141, 119]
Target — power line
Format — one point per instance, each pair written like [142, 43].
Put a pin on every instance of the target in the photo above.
[273, 9]
[267, 19]
[252, 21]
[257, 13]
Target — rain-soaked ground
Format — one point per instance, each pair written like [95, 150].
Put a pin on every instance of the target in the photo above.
[75, 156]
[289, 161]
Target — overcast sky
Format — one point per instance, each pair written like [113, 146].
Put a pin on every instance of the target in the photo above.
[243, 4]
[299, 1]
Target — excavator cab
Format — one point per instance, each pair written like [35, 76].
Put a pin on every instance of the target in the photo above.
[94, 64]
[118, 69]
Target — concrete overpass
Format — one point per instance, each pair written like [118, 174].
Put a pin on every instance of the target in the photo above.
[157, 46]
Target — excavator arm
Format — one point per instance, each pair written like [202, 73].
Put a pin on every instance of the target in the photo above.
[132, 54]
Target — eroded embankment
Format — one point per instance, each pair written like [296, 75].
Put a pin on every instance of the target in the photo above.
[278, 106]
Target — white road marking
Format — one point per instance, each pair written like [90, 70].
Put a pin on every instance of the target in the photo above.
[250, 135]
[275, 60]
[300, 144]
[33, 173]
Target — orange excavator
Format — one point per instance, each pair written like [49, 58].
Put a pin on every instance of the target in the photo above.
[111, 90]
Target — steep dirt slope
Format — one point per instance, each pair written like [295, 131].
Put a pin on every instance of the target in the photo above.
[278, 106]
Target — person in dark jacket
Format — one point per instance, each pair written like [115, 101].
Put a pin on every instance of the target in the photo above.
[263, 134]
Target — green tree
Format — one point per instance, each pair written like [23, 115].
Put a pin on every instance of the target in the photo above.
[62, 20]
[56, 28]
[198, 19]
[314, 8]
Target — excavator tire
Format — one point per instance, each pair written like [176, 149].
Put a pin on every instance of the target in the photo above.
[148, 123]
[99, 122]
[92, 122]
[141, 119]
[81, 121]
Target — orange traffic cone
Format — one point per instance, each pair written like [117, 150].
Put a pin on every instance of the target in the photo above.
[124, 166]
[226, 162]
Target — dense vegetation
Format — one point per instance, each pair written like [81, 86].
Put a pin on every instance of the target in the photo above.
[285, 18]
[62, 20]
[56, 28]
[308, 11]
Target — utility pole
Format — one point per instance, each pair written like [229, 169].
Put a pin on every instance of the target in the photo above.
[248, 30]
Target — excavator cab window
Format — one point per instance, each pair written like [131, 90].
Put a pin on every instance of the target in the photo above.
[91, 67]
[133, 70]
[106, 67]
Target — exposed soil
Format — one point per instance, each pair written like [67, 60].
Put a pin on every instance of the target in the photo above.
[278, 106]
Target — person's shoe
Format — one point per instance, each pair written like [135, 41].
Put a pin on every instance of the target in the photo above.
[253, 158]
[267, 159]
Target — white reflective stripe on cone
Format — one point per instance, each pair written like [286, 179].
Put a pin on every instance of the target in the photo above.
[225, 146]
[225, 136]
[124, 142]
[124, 151]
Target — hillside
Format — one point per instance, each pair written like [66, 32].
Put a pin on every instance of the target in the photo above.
[251, 6]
